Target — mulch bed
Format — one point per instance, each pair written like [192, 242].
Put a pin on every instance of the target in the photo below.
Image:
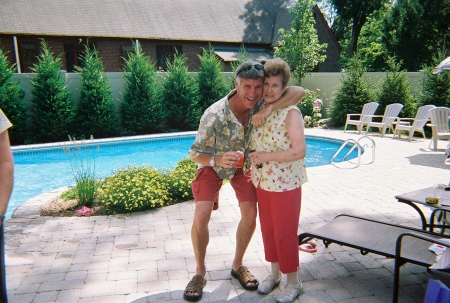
[62, 208]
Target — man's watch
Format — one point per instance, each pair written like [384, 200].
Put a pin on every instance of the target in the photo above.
[212, 161]
[2, 217]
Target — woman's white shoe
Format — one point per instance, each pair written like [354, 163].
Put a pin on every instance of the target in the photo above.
[290, 293]
[268, 285]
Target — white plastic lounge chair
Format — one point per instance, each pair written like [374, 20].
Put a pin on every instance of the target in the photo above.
[390, 115]
[439, 125]
[422, 117]
[368, 110]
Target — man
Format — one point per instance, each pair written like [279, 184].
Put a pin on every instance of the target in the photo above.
[224, 130]
[6, 186]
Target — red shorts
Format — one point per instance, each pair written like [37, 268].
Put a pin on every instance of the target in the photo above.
[207, 185]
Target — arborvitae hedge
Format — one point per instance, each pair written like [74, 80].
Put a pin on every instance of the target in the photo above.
[11, 101]
[181, 96]
[53, 108]
[96, 113]
[141, 108]
[436, 88]
[211, 81]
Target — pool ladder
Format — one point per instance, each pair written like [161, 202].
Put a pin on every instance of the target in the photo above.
[356, 144]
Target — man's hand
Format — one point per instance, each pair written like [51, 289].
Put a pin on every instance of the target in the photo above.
[260, 117]
[228, 160]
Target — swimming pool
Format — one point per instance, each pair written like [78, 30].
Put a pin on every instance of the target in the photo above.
[42, 168]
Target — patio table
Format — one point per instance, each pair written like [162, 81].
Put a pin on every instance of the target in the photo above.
[418, 198]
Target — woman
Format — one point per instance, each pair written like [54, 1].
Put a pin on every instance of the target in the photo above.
[278, 171]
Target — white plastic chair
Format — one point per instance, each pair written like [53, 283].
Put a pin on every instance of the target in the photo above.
[367, 111]
[390, 115]
[439, 125]
[417, 125]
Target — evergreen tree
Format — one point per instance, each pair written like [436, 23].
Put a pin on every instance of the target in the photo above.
[436, 88]
[53, 108]
[395, 88]
[181, 96]
[300, 46]
[11, 101]
[96, 114]
[141, 109]
[352, 94]
[210, 79]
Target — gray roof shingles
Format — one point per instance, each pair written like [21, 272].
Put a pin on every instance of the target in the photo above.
[249, 21]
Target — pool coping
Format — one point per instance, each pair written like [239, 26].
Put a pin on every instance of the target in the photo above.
[103, 140]
[31, 208]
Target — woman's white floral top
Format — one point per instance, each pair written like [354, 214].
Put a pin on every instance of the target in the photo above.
[4, 122]
[276, 176]
[220, 131]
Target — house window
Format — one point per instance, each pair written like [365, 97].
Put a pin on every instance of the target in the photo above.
[28, 56]
[165, 54]
[74, 51]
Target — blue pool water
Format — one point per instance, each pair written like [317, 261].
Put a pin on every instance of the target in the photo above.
[40, 170]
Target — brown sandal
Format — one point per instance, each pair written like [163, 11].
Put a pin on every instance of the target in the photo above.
[195, 285]
[244, 277]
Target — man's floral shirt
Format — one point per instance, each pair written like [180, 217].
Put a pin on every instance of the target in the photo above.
[220, 131]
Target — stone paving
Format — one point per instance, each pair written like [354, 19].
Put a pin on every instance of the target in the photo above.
[148, 257]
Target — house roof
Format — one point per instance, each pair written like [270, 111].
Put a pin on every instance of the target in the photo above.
[248, 21]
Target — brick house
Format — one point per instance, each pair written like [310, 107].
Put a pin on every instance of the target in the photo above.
[161, 27]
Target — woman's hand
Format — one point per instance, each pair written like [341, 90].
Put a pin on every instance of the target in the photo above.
[258, 158]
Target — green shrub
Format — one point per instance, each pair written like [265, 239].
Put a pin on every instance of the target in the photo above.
[141, 109]
[137, 188]
[352, 94]
[180, 180]
[96, 114]
[436, 88]
[70, 194]
[132, 189]
[52, 109]
[395, 88]
[306, 105]
[210, 79]
[311, 114]
[11, 101]
[181, 96]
